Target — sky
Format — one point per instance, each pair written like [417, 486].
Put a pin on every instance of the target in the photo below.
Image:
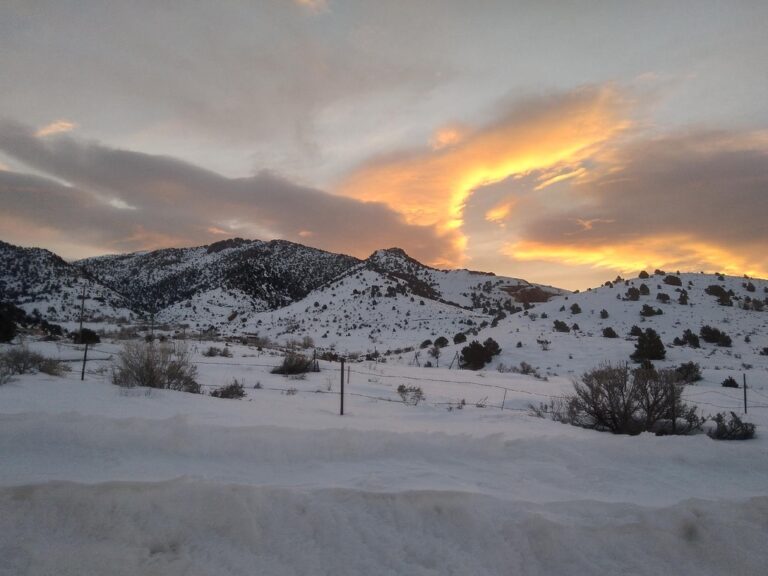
[561, 142]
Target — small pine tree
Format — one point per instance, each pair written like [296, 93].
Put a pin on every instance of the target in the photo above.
[649, 347]
[473, 356]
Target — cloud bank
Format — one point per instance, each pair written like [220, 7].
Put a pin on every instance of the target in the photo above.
[98, 199]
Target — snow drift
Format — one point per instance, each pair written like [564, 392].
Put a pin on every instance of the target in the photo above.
[154, 528]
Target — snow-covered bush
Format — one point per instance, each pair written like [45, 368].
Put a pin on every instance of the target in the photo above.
[155, 366]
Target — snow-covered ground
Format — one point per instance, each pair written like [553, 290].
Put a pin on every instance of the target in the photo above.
[95, 479]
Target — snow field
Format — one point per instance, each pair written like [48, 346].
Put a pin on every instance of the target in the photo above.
[95, 479]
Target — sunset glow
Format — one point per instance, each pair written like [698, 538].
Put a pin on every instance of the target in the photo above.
[532, 139]
[671, 253]
[431, 187]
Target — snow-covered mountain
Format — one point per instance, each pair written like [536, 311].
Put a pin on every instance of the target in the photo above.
[37, 280]
[277, 289]
[390, 301]
[250, 273]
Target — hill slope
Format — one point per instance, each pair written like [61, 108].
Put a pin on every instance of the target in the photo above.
[37, 280]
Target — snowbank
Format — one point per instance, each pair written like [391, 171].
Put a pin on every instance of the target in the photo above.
[157, 529]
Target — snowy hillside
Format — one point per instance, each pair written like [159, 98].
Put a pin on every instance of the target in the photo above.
[36, 279]
[259, 275]
[240, 286]
[391, 301]
[549, 351]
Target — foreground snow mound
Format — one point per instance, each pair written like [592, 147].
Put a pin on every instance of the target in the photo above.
[195, 528]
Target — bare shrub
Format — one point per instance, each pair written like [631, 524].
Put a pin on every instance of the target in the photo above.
[732, 429]
[20, 360]
[54, 367]
[557, 409]
[5, 374]
[233, 390]
[295, 364]
[410, 395]
[624, 401]
[155, 366]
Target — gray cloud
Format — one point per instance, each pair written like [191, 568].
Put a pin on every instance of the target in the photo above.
[124, 201]
[709, 185]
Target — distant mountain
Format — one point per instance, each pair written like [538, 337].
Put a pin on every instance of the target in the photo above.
[44, 285]
[392, 303]
[263, 275]
[238, 285]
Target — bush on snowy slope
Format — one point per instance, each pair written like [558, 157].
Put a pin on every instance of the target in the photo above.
[688, 339]
[689, 372]
[715, 336]
[477, 355]
[155, 366]
[648, 347]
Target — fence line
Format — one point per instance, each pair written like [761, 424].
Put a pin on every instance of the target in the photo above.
[688, 395]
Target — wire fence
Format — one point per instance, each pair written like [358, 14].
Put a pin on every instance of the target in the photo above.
[690, 395]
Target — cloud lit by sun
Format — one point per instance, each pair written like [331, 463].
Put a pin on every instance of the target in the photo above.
[57, 127]
[431, 187]
[674, 252]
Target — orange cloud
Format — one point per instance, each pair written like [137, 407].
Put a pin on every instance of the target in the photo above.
[498, 213]
[447, 136]
[431, 186]
[58, 127]
[677, 252]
